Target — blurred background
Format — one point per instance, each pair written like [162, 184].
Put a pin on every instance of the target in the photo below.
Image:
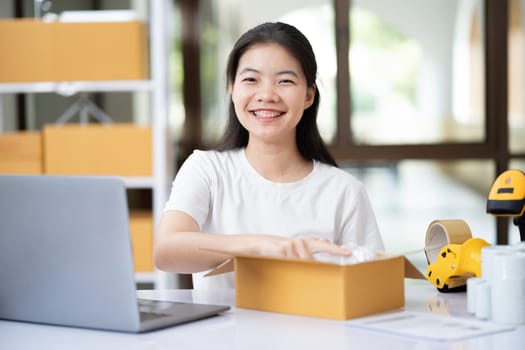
[422, 100]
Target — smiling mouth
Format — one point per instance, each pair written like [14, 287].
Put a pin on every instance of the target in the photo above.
[267, 114]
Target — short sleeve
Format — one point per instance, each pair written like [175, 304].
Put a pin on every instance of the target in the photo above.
[360, 225]
[191, 188]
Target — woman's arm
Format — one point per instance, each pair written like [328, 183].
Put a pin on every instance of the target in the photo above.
[180, 247]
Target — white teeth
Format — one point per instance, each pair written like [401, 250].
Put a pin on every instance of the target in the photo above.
[266, 114]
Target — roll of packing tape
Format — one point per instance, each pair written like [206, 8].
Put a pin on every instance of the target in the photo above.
[472, 286]
[443, 232]
[488, 272]
[483, 301]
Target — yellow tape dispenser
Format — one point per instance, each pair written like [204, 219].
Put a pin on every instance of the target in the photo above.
[452, 254]
[455, 264]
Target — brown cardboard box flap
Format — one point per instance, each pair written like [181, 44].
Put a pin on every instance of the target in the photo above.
[228, 265]
[412, 272]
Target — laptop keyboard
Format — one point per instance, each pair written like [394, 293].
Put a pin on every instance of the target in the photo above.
[154, 309]
[147, 316]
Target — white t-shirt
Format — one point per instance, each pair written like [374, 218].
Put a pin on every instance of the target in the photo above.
[224, 194]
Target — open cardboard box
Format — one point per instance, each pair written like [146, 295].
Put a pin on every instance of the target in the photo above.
[321, 289]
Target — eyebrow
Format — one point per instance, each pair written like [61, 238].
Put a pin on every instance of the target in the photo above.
[282, 72]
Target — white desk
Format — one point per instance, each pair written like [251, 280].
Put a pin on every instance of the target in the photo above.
[247, 330]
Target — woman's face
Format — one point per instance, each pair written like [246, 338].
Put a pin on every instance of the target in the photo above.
[270, 93]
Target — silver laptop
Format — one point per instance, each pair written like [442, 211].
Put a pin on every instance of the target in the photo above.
[66, 258]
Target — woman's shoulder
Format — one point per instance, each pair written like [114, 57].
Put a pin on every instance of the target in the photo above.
[210, 154]
[339, 175]
[212, 158]
[214, 155]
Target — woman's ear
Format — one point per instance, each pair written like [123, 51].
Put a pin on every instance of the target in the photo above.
[310, 96]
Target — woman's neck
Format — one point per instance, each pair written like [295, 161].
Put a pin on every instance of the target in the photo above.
[277, 163]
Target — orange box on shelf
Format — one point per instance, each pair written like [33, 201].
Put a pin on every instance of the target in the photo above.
[320, 289]
[21, 152]
[34, 50]
[100, 51]
[97, 149]
[26, 51]
[141, 230]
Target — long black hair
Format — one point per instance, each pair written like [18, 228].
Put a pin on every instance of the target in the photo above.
[308, 139]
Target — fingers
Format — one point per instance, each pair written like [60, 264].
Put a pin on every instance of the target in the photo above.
[336, 250]
[300, 249]
[304, 248]
[322, 245]
[295, 248]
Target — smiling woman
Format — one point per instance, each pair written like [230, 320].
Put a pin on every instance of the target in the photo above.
[269, 94]
[271, 188]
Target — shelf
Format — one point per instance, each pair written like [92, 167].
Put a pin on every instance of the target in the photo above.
[144, 277]
[68, 88]
[157, 86]
[139, 182]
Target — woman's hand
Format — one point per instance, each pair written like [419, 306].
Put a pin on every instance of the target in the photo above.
[180, 247]
[296, 248]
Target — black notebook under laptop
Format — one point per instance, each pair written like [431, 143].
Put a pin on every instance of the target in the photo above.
[66, 257]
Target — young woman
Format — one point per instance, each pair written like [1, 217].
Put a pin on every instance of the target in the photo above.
[271, 188]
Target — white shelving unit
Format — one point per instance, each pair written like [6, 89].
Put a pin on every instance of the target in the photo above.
[162, 155]
[159, 90]
[68, 88]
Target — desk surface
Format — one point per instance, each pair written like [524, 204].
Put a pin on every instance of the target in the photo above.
[248, 329]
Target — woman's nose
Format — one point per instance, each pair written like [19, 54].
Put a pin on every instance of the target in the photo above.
[267, 92]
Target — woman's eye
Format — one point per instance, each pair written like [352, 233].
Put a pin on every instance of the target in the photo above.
[248, 79]
[286, 81]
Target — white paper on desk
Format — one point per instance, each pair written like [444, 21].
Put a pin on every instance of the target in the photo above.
[427, 326]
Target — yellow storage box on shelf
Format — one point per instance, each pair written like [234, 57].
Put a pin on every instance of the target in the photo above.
[21, 152]
[26, 51]
[320, 289]
[33, 50]
[141, 228]
[97, 149]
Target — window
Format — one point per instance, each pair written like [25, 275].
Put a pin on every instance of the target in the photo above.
[416, 78]
[516, 78]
